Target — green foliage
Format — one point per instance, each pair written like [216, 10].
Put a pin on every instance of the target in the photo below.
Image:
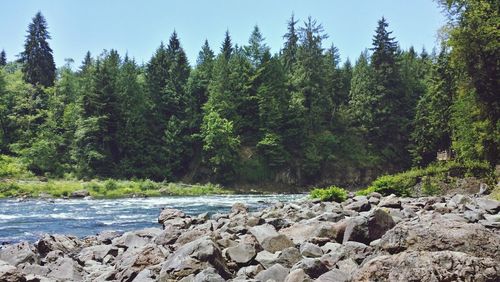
[332, 193]
[403, 184]
[11, 167]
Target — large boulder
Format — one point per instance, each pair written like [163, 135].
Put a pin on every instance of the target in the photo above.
[56, 242]
[134, 261]
[63, 268]
[365, 230]
[175, 218]
[242, 253]
[429, 266]
[136, 239]
[192, 258]
[435, 232]
[97, 253]
[19, 253]
[313, 267]
[276, 273]
[334, 275]
[298, 275]
[488, 205]
[270, 239]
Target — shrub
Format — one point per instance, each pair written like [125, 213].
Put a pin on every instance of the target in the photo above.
[110, 185]
[332, 193]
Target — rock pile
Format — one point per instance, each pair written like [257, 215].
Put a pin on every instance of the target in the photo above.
[370, 238]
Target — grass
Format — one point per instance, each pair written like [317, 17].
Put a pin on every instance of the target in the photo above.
[332, 193]
[402, 184]
[105, 189]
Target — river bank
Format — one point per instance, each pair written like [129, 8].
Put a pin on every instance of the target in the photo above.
[364, 238]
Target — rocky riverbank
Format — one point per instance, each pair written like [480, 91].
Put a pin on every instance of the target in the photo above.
[371, 238]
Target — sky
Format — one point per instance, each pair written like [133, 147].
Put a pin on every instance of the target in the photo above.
[137, 27]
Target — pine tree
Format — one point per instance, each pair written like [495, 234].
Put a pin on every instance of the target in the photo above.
[38, 63]
[390, 128]
[289, 52]
[3, 58]
[227, 46]
[256, 47]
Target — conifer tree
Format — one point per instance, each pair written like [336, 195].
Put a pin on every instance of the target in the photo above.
[3, 58]
[227, 46]
[289, 52]
[38, 63]
[256, 47]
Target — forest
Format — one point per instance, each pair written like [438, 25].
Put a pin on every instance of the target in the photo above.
[241, 115]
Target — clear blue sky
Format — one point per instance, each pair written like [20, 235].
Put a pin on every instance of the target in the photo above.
[138, 27]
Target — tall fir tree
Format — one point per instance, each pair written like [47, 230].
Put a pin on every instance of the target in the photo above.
[227, 46]
[38, 63]
[256, 47]
[289, 52]
[3, 58]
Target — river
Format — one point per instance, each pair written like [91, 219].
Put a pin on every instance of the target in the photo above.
[28, 220]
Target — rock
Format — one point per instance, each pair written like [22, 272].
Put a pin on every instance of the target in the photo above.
[239, 208]
[334, 275]
[190, 235]
[19, 253]
[473, 216]
[313, 267]
[355, 251]
[9, 273]
[359, 206]
[96, 253]
[435, 232]
[298, 275]
[266, 258]
[310, 250]
[347, 266]
[299, 232]
[288, 257]
[64, 269]
[242, 253]
[250, 271]
[192, 258]
[135, 260]
[391, 201]
[429, 266]
[208, 275]
[491, 206]
[270, 239]
[168, 236]
[80, 194]
[65, 244]
[106, 237]
[175, 218]
[365, 230]
[374, 200]
[375, 195]
[276, 273]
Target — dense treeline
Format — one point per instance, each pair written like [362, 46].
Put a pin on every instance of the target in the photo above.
[245, 115]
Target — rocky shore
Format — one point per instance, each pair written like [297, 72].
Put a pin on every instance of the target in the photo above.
[374, 238]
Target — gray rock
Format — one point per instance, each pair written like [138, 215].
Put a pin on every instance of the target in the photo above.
[435, 232]
[48, 243]
[391, 201]
[270, 239]
[250, 271]
[80, 194]
[276, 273]
[208, 275]
[266, 258]
[106, 237]
[359, 206]
[9, 273]
[313, 267]
[192, 258]
[19, 253]
[347, 266]
[488, 205]
[168, 236]
[473, 216]
[239, 208]
[136, 239]
[429, 266]
[96, 253]
[365, 230]
[242, 253]
[288, 257]
[310, 250]
[64, 269]
[133, 261]
[298, 275]
[334, 275]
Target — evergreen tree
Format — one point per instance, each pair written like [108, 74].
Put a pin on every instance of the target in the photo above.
[256, 47]
[289, 52]
[39, 67]
[389, 131]
[3, 58]
[432, 131]
[227, 46]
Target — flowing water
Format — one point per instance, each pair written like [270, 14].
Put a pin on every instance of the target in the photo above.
[28, 220]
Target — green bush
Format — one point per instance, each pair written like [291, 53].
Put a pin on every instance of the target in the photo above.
[402, 184]
[332, 193]
[12, 167]
[110, 185]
